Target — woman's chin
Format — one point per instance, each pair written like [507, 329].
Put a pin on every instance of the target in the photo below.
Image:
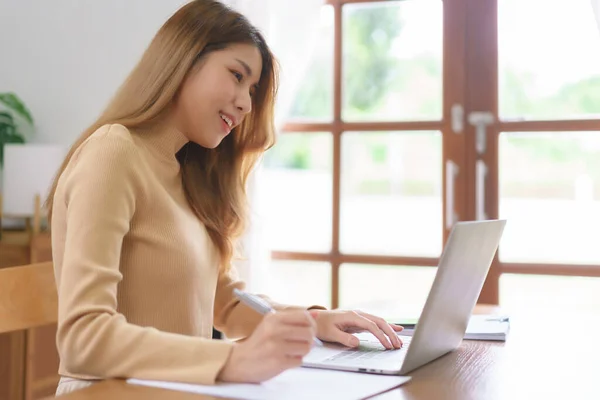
[207, 144]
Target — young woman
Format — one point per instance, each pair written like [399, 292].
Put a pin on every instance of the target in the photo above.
[146, 209]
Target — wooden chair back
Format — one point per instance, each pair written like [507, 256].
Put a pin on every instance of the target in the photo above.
[28, 297]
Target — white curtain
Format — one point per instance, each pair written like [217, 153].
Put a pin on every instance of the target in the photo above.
[596, 8]
[290, 28]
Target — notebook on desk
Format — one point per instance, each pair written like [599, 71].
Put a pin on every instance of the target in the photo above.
[480, 327]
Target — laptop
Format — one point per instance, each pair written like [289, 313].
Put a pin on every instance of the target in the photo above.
[462, 269]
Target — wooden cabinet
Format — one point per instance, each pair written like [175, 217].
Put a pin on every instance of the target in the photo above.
[28, 359]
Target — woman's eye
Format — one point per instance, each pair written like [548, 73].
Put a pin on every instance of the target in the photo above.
[237, 75]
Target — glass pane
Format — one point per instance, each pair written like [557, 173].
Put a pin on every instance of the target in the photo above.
[314, 99]
[302, 283]
[392, 60]
[549, 56]
[295, 192]
[550, 195]
[391, 193]
[390, 291]
[554, 294]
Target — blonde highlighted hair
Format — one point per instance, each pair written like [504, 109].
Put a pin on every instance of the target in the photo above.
[214, 180]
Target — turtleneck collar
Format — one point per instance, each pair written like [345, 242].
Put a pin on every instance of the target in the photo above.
[163, 139]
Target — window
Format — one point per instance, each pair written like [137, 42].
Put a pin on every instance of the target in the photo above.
[381, 155]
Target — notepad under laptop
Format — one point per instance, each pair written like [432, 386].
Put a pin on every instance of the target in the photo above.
[480, 327]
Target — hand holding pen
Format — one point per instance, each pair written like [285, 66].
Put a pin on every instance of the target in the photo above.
[260, 305]
[279, 342]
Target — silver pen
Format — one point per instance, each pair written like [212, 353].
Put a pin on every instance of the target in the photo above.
[259, 305]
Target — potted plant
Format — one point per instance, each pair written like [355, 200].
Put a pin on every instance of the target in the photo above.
[10, 131]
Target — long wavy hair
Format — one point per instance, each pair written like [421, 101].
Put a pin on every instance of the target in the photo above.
[214, 180]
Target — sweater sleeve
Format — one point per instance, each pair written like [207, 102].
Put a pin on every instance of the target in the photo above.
[100, 191]
[235, 319]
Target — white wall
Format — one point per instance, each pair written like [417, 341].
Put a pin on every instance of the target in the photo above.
[66, 58]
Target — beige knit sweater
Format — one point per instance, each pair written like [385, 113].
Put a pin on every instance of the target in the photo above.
[136, 272]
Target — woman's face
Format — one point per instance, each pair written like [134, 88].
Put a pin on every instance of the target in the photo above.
[217, 94]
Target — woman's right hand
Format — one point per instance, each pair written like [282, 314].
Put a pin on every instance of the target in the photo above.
[278, 343]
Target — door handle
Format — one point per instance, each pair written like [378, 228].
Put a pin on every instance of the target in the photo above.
[480, 120]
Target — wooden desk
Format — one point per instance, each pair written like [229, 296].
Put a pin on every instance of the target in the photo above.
[538, 361]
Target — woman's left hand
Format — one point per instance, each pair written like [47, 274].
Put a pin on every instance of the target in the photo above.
[339, 326]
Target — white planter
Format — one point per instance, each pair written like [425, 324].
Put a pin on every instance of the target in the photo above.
[28, 170]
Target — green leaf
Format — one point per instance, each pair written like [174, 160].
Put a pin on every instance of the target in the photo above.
[11, 101]
[15, 138]
[5, 132]
[6, 118]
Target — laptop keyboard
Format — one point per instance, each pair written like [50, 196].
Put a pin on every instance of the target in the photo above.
[369, 350]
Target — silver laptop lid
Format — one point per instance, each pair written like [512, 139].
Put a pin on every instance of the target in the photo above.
[462, 269]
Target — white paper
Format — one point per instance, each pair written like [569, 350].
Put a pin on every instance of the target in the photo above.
[294, 384]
